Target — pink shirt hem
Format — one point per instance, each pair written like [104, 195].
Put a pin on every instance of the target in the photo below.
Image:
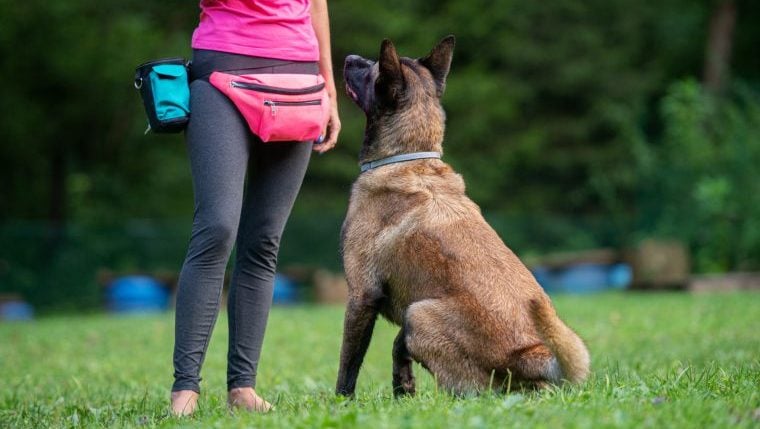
[281, 53]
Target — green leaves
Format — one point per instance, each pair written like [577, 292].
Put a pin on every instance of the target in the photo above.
[702, 184]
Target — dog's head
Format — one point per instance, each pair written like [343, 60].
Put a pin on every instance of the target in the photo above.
[401, 98]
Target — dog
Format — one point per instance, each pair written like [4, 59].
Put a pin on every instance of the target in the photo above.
[417, 251]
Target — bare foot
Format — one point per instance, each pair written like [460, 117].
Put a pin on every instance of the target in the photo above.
[184, 402]
[247, 399]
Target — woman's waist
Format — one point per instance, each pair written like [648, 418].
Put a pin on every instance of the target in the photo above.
[206, 61]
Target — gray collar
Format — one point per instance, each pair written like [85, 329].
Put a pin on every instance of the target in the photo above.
[399, 158]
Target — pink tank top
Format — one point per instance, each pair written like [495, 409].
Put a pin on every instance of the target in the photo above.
[278, 29]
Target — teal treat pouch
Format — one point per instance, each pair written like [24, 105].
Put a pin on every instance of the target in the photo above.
[163, 85]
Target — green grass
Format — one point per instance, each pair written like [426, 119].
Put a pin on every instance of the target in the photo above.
[659, 360]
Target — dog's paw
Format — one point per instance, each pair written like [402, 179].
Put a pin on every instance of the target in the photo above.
[403, 386]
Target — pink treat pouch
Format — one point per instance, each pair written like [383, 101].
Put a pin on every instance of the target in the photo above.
[278, 107]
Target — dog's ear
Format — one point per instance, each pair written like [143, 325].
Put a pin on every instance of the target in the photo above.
[390, 81]
[438, 61]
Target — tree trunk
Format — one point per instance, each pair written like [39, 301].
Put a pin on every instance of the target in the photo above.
[719, 45]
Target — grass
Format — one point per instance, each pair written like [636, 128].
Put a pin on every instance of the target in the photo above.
[659, 360]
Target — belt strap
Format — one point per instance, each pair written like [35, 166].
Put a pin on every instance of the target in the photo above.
[243, 64]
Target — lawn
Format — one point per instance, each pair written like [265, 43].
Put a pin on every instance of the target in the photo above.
[659, 360]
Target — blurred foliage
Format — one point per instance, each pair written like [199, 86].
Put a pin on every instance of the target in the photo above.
[701, 184]
[556, 120]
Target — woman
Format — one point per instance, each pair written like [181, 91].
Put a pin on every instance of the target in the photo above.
[241, 37]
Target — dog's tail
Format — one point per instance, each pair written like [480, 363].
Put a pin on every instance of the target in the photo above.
[569, 350]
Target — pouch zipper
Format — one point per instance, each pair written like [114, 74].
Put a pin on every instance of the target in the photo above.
[276, 90]
[274, 103]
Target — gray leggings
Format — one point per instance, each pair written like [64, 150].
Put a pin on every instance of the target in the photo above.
[222, 150]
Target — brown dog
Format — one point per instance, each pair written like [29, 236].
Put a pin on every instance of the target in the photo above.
[417, 250]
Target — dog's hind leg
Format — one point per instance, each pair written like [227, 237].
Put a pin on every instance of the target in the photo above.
[403, 377]
[431, 338]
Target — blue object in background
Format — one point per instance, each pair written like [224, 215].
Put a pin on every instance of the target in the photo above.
[584, 278]
[285, 290]
[16, 310]
[620, 276]
[137, 294]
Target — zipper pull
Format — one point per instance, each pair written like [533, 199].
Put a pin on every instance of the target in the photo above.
[271, 105]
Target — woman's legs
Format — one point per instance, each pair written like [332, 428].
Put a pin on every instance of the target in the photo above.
[221, 148]
[276, 171]
[218, 145]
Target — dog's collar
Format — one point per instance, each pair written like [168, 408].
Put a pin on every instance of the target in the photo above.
[398, 158]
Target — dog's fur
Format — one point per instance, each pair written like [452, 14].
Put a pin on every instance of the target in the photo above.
[417, 251]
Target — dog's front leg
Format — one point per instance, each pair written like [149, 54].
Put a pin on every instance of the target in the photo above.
[361, 313]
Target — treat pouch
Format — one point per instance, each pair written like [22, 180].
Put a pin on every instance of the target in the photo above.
[163, 85]
[278, 107]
